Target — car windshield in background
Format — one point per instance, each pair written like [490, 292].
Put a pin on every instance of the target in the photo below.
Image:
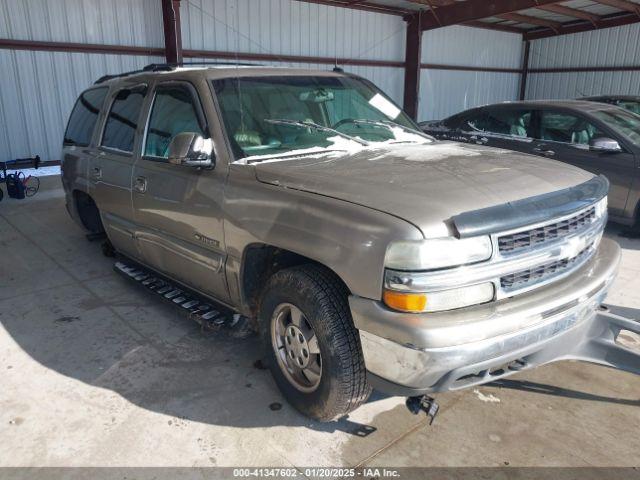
[286, 114]
[628, 124]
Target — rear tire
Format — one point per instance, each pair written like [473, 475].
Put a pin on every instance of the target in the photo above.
[319, 301]
[88, 212]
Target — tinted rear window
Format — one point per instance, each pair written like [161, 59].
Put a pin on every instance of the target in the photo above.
[83, 117]
[122, 122]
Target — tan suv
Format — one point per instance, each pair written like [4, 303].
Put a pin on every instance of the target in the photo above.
[364, 252]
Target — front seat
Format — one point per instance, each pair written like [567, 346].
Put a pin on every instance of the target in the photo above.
[243, 136]
[582, 133]
[518, 128]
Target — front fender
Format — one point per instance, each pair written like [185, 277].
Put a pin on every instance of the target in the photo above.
[349, 239]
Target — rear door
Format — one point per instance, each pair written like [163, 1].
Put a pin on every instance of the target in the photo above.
[502, 126]
[565, 135]
[79, 143]
[111, 167]
[178, 209]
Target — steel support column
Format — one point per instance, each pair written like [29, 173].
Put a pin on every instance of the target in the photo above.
[412, 65]
[525, 69]
[172, 32]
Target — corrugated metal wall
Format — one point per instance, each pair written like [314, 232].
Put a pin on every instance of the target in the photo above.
[112, 22]
[38, 89]
[38, 92]
[445, 92]
[600, 48]
[288, 27]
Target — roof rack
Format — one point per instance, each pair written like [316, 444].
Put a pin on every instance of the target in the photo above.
[231, 64]
[153, 67]
[167, 67]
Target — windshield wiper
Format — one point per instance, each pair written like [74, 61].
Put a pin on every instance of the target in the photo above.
[389, 124]
[315, 126]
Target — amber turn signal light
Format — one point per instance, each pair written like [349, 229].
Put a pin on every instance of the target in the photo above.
[405, 302]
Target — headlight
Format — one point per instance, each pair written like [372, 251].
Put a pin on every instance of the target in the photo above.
[437, 253]
[440, 300]
[403, 294]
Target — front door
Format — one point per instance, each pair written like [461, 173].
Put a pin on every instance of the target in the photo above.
[565, 136]
[178, 209]
[111, 165]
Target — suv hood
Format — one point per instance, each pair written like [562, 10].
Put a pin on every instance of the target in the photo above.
[423, 184]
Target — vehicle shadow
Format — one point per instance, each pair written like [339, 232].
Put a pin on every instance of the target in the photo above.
[171, 367]
[62, 304]
[627, 237]
[545, 389]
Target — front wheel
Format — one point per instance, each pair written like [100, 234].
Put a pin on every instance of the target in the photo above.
[311, 346]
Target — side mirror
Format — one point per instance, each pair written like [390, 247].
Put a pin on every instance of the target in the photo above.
[191, 150]
[604, 144]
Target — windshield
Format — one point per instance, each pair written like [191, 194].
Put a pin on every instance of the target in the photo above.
[628, 124]
[276, 115]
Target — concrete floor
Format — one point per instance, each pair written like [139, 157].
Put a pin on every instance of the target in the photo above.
[94, 372]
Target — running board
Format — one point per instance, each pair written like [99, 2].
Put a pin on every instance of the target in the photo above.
[195, 307]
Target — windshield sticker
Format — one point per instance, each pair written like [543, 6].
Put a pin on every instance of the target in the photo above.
[385, 106]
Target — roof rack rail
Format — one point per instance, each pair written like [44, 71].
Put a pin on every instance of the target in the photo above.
[149, 68]
[188, 64]
[167, 67]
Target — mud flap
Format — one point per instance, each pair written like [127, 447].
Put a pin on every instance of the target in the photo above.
[600, 346]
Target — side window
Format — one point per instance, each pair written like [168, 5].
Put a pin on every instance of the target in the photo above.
[173, 112]
[84, 116]
[567, 128]
[504, 121]
[122, 122]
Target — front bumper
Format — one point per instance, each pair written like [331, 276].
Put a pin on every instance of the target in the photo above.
[408, 354]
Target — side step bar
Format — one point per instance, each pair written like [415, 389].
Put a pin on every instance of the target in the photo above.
[209, 315]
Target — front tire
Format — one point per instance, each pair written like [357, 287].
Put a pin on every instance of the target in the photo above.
[310, 344]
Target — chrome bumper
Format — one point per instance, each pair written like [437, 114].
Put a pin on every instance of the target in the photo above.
[413, 353]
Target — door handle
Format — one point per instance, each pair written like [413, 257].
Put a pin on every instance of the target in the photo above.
[96, 172]
[546, 153]
[140, 184]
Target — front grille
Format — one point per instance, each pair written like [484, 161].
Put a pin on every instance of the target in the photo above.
[541, 273]
[515, 242]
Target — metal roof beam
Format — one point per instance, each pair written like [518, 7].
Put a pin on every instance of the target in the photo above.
[413, 57]
[470, 10]
[607, 21]
[361, 5]
[501, 27]
[570, 12]
[474, 23]
[621, 5]
[172, 32]
[541, 22]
